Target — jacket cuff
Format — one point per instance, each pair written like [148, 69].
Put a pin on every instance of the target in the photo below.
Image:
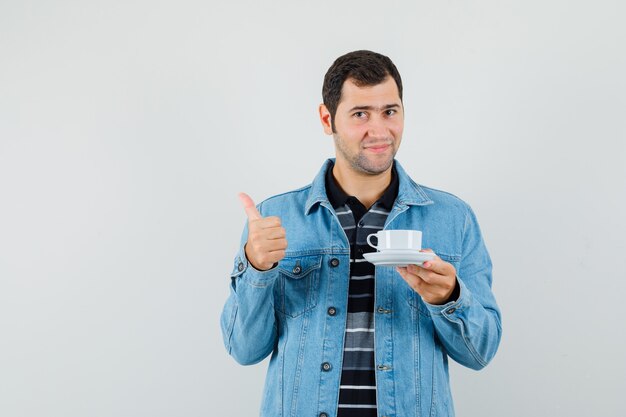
[244, 270]
[454, 306]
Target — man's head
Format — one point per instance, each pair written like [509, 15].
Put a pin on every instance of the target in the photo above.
[363, 68]
[363, 111]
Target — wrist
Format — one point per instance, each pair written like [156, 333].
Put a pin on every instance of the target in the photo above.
[456, 292]
[259, 268]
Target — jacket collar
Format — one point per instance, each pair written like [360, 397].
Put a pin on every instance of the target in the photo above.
[409, 193]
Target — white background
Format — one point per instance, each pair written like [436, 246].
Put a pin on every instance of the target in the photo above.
[127, 129]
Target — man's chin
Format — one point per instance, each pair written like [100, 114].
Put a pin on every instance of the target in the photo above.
[373, 167]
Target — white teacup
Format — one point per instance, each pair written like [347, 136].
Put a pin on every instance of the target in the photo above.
[397, 240]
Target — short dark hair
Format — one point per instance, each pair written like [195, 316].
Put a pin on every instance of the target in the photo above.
[365, 68]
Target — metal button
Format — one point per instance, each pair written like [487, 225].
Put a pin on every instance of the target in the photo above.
[332, 311]
[383, 310]
[240, 266]
[297, 269]
[451, 310]
[326, 367]
[323, 415]
[334, 262]
[383, 367]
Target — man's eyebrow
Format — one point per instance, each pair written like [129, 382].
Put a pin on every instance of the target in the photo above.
[385, 107]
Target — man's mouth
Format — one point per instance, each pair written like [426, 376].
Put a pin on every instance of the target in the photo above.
[378, 148]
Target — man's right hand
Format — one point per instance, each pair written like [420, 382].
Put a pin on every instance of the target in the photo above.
[267, 241]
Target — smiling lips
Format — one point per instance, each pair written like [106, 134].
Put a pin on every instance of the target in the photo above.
[378, 148]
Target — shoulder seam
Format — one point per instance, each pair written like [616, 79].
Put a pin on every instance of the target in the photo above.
[447, 193]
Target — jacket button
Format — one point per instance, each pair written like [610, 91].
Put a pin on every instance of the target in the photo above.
[334, 262]
[326, 367]
[240, 266]
[297, 269]
[451, 310]
[323, 415]
[332, 311]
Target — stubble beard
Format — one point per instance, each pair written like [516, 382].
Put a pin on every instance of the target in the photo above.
[361, 163]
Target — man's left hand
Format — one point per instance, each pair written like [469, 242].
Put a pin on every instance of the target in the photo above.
[434, 281]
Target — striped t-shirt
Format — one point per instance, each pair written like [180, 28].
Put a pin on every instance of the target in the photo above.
[357, 393]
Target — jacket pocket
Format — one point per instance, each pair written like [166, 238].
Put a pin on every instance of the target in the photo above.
[415, 300]
[297, 288]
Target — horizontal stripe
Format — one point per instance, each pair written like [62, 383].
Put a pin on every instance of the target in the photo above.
[359, 376]
[379, 211]
[357, 412]
[348, 225]
[350, 350]
[361, 305]
[373, 220]
[361, 277]
[359, 330]
[359, 360]
[359, 340]
[362, 286]
[358, 320]
[360, 295]
[362, 268]
[356, 394]
[354, 412]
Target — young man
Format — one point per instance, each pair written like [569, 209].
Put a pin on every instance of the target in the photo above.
[349, 338]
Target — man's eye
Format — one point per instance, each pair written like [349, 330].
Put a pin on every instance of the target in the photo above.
[391, 112]
[359, 114]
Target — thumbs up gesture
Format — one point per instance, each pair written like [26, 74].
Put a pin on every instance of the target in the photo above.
[267, 241]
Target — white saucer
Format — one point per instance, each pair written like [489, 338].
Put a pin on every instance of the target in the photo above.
[398, 257]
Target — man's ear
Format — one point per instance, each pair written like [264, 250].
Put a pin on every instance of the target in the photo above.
[325, 119]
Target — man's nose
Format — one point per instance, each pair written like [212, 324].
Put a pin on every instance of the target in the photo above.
[378, 128]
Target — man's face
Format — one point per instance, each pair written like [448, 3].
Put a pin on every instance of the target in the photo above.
[368, 126]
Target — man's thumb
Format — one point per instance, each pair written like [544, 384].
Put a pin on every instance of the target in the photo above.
[249, 207]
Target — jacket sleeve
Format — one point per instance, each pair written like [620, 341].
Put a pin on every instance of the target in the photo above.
[248, 321]
[470, 327]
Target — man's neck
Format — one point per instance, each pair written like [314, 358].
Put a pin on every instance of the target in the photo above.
[366, 187]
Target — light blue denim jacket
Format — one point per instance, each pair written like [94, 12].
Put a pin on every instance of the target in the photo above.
[284, 311]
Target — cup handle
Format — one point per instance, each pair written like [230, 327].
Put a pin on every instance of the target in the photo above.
[370, 243]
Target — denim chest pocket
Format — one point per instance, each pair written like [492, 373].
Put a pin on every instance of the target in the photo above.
[297, 288]
[415, 300]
